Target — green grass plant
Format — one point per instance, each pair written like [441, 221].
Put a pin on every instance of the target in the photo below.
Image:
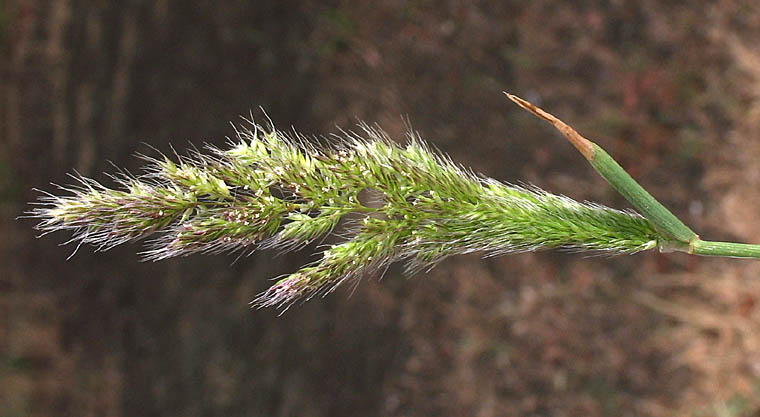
[272, 190]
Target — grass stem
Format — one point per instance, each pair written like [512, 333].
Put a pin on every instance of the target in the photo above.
[725, 249]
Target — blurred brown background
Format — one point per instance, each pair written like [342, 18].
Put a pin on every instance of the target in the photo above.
[671, 89]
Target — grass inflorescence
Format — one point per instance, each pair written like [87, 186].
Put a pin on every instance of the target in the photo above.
[277, 190]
